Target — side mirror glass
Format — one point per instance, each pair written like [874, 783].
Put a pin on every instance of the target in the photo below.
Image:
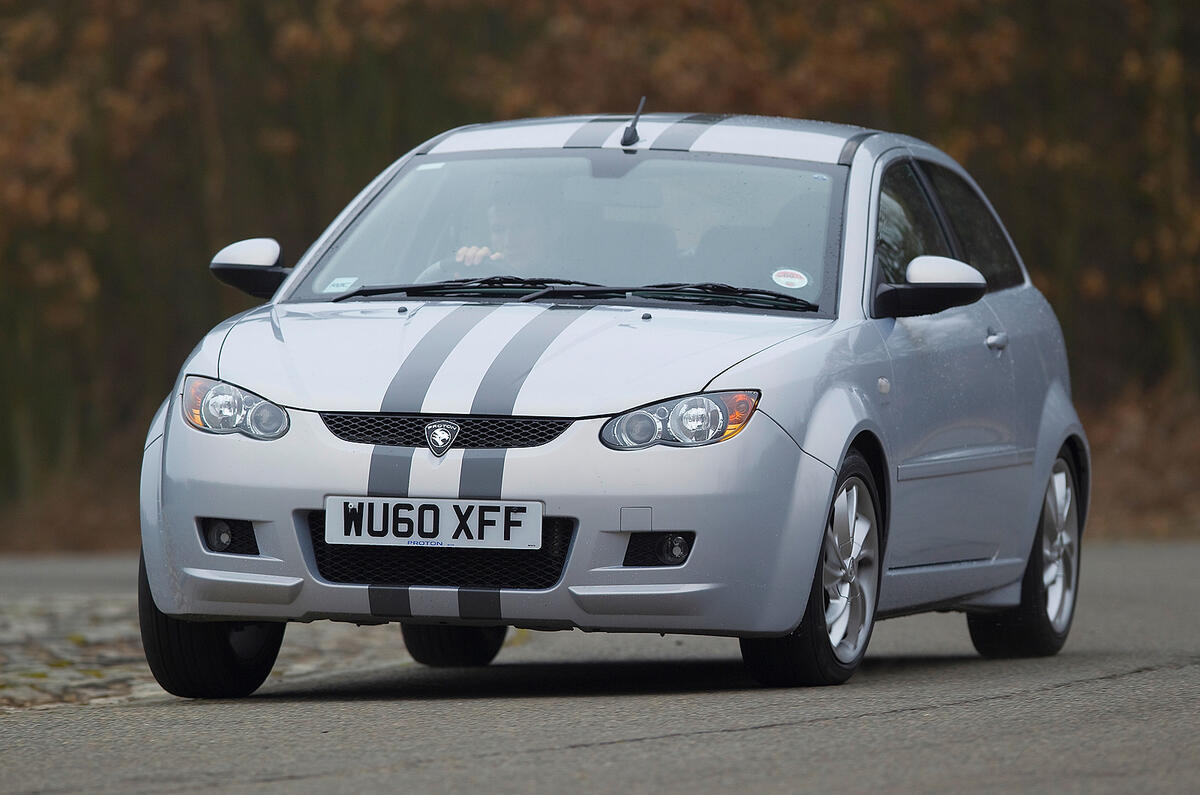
[253, 266]
[934, 284]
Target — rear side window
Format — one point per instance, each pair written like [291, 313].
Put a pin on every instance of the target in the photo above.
[984, 245]
[908, 226]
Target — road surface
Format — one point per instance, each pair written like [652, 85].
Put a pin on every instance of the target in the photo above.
[1118, 710]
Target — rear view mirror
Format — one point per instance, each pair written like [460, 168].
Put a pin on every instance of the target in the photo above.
[934, 284]
[254, 266]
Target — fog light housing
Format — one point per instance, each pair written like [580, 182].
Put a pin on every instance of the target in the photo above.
[659, 549]
[674, 549]
[230, 536]
[219, 536]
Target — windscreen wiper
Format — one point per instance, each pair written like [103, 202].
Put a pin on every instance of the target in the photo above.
[721, 290]
[696, 292]
[459, 286]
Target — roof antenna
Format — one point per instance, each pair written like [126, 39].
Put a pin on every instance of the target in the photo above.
[630, 136]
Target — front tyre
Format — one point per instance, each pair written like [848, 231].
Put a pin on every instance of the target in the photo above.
[205, 659]
[453, 647]
[1038, 627]
[832, 637]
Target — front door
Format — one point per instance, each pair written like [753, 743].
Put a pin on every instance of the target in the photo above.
[951, 413]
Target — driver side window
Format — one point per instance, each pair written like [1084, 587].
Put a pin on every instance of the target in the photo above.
[907, 226]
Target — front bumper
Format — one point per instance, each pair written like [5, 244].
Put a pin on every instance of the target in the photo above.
[756, 503]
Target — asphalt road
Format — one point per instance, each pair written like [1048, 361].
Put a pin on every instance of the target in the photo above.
[1117, 710]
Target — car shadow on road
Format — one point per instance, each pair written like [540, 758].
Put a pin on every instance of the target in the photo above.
[526, 680]
[557, 679]
[911, 670]
[886, 665]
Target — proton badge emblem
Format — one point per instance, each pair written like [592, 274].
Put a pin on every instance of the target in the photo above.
[440, 435]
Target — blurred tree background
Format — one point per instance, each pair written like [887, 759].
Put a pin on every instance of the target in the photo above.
[137, 137]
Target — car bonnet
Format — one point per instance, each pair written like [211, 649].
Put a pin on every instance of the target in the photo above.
[449, 357]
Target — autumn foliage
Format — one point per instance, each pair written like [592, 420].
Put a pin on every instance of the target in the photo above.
[137, 137]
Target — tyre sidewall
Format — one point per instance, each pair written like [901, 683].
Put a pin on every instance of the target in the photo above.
[1033, 590]
[813, 624]
[196, 659]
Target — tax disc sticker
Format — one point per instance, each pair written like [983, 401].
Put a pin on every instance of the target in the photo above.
[793, 280]
[340, 284]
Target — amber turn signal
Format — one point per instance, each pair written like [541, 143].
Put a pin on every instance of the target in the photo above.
[738, 408]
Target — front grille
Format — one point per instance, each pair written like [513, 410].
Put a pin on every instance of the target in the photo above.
[408, 430]
[523, 569]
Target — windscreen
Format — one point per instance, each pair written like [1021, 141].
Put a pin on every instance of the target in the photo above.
[599, 216]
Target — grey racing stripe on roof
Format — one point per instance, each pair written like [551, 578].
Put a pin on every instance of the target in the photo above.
[594, 133]
[682, 134]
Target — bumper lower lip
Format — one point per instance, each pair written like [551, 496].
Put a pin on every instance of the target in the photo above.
[680, 599]
[215, 585]
[672, 599]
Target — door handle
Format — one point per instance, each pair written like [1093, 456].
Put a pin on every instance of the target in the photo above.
[997, 340]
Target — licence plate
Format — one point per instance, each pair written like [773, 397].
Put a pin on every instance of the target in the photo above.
[407, 522]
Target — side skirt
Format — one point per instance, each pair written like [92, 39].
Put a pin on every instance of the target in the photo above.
[982, 583]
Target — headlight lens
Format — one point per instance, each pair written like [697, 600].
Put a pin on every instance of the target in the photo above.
[218, 407]
[688, 421]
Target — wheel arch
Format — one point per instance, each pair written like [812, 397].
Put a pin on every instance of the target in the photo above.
[1077, 453]
[154, 552]
[1059, 432]
[843, 419]
[869, 446]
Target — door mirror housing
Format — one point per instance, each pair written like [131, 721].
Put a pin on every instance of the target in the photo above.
[934, 284]
[254, 266]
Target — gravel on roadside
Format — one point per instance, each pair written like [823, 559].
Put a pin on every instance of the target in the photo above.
[76, 648]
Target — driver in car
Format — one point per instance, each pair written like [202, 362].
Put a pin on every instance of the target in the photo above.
[521, 241]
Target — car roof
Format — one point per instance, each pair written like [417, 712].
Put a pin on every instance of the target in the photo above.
[764, 136]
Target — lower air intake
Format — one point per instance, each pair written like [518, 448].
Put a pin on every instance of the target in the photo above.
[520, 569]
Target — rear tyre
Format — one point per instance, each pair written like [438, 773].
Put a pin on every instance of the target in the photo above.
[832, 637]
[1038, 627]
[205, 659]
[453, 647]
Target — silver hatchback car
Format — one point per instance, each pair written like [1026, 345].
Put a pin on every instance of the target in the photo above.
[754, 377]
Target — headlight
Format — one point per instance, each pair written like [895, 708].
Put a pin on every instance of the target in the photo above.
[690, 421]
[224, 408]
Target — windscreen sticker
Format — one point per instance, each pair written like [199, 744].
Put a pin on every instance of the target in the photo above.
[340, 284]
[430, 166]
[791, 279]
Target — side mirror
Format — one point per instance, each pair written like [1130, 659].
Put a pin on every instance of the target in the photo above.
[934, 284]
[253, 266]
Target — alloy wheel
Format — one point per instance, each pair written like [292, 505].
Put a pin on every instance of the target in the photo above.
[850, 569]
[1060, 546]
